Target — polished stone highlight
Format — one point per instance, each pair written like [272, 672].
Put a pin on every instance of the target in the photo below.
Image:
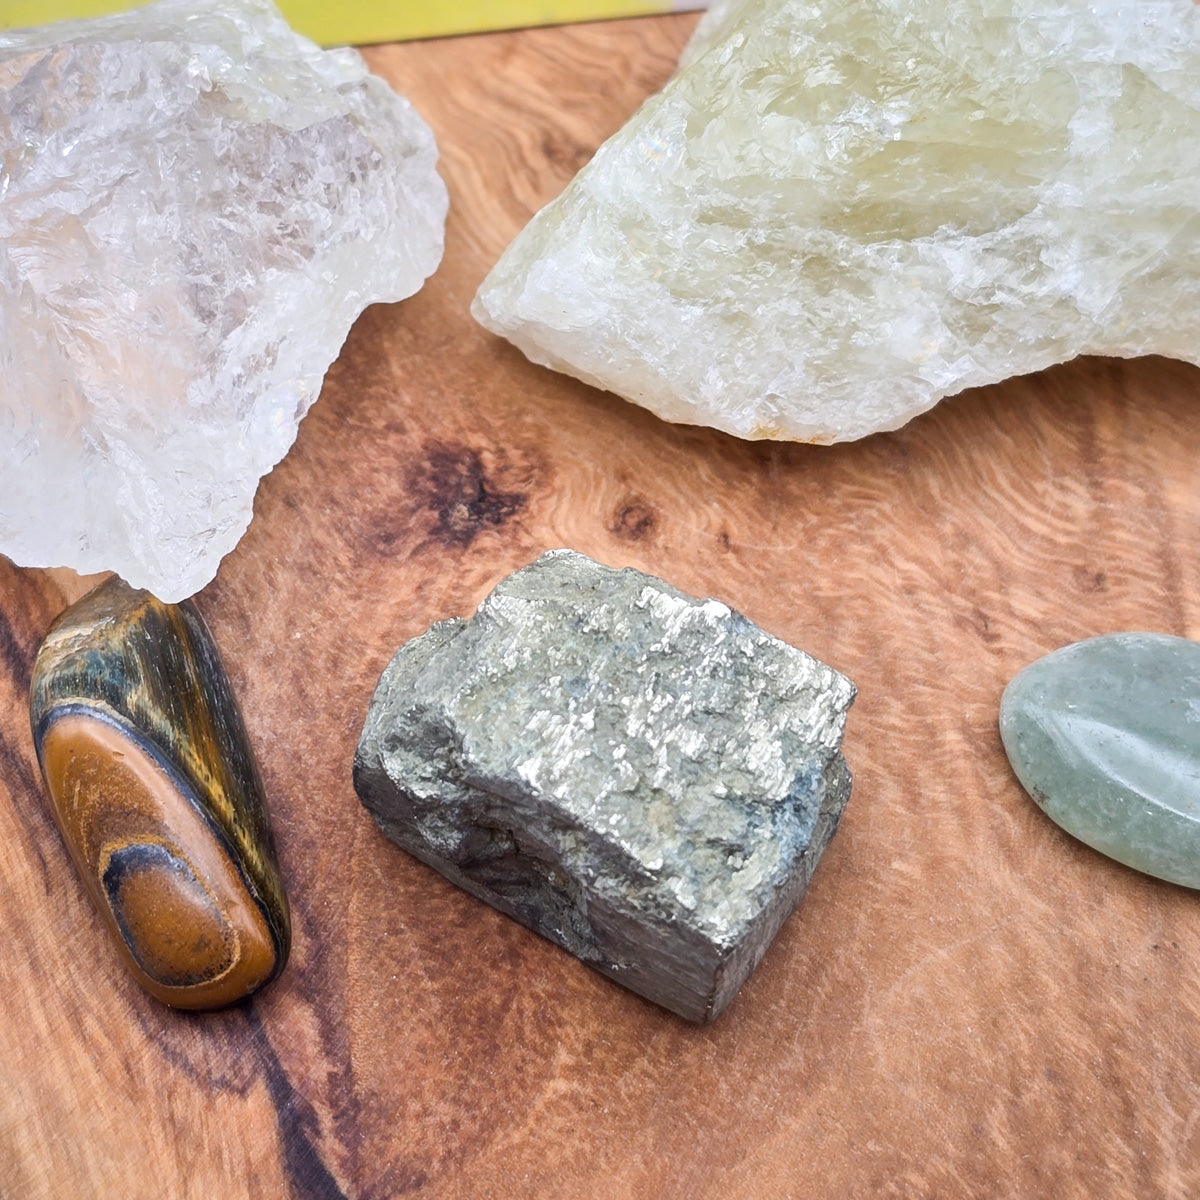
[1105, 736]
[644, 778]
[155, 791]
[836, 214]
[195, 205]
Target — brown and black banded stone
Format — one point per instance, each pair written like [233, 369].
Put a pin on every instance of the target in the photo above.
[155, 791]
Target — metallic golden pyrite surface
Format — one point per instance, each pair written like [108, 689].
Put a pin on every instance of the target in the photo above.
[644, 778]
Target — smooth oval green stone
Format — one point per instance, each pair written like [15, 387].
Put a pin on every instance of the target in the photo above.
[1105, 736]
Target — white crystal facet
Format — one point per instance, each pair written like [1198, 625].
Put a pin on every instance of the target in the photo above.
[195, 204]
[837, 213]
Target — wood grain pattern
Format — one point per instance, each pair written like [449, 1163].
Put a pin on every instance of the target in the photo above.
[967, 1002]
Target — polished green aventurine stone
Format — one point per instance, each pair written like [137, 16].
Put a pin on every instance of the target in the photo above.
[1105, 736]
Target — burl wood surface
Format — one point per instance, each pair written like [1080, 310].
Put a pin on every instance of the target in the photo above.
[967, 1003]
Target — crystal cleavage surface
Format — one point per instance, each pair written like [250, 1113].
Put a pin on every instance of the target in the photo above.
[836, 214]
[195, 204]
[644, 778]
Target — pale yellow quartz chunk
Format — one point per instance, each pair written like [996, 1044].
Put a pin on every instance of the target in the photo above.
[838, 213]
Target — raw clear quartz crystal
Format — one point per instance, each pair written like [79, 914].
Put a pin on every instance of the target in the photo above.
[836, 214]
[195, 204]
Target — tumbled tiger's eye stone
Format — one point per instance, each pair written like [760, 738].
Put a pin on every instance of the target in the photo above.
[155, 791]
[1105, 736]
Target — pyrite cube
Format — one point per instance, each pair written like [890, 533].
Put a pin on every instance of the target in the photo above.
[644, 778]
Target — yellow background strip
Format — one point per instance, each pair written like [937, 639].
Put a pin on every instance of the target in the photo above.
[361, 21]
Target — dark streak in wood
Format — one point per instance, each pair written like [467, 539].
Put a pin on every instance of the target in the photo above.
[17, 766]
[309, 1177]
[15, 657]
[25, 784]
[213, 1051]
[327, 959]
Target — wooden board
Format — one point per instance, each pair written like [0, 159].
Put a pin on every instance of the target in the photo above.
[968, 1003]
